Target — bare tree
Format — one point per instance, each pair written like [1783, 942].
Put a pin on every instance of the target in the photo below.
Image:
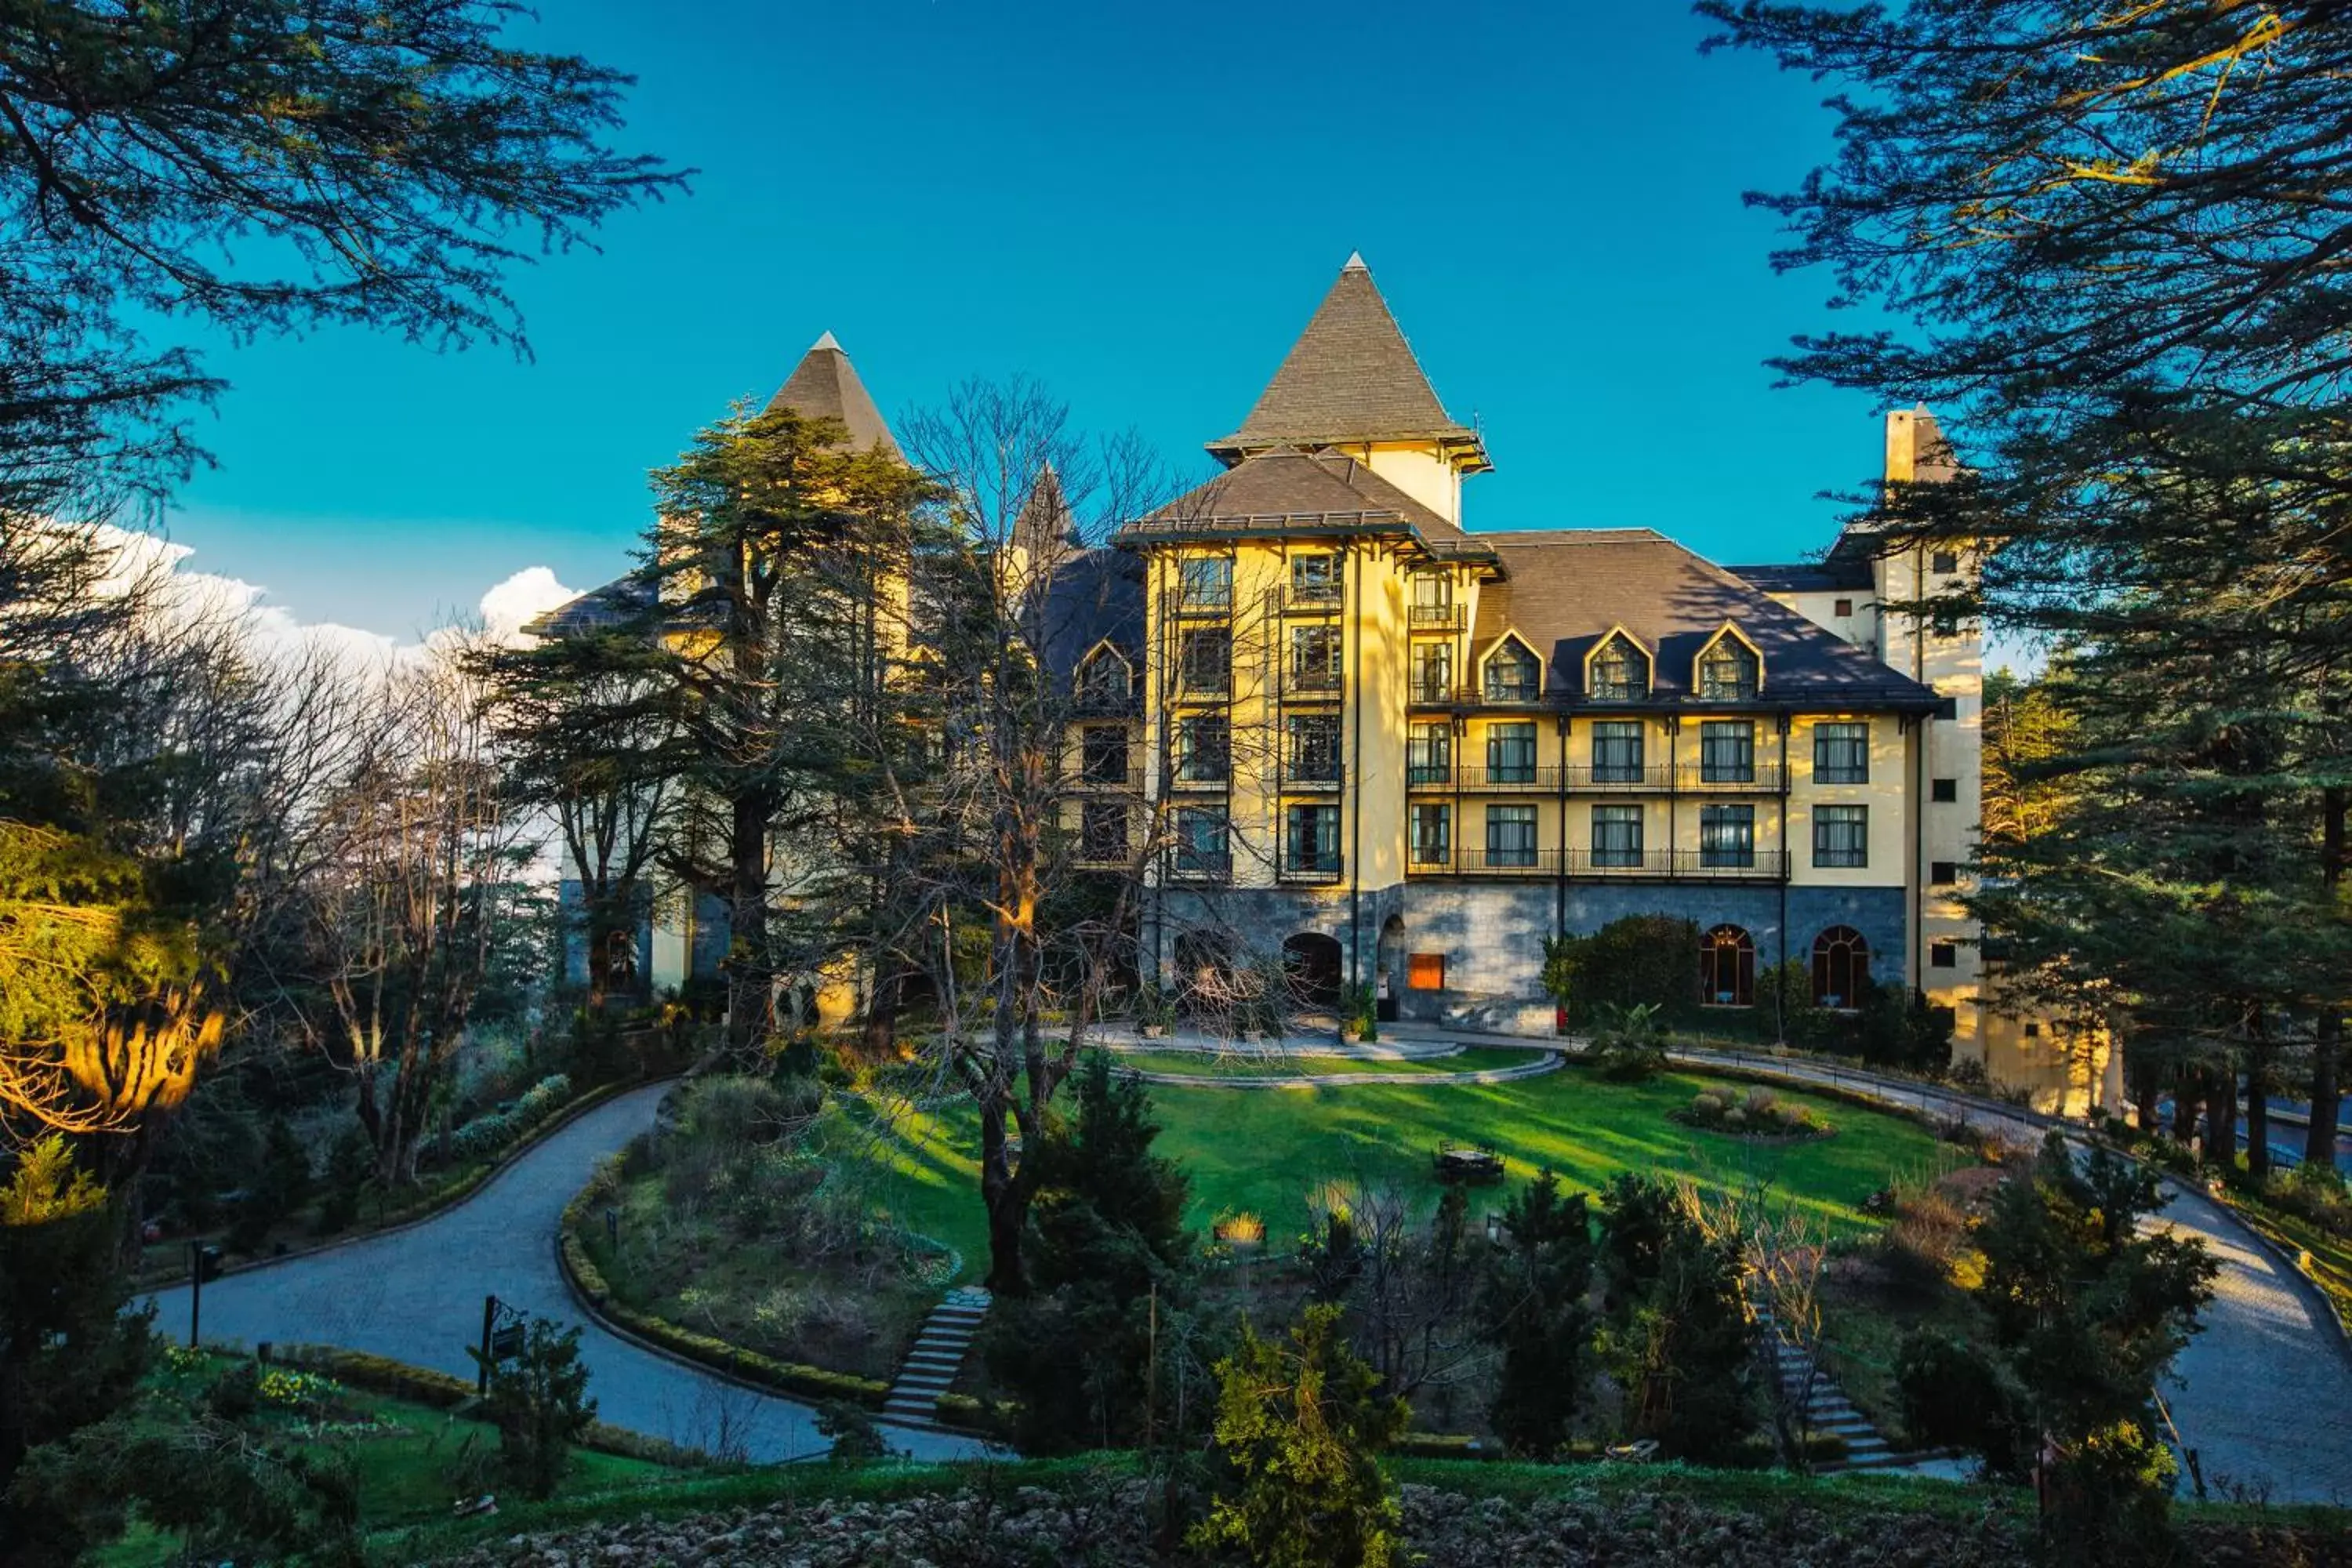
[406, 910]
[1785, 1249]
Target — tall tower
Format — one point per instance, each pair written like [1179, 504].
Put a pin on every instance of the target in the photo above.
[1350, 384]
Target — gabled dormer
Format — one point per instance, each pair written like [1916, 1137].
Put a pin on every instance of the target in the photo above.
[1728, 668]
[1619, 669]
[1105, 678]
[1511, 670]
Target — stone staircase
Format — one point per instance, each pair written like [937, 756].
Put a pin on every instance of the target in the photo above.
[1828, 1412]
[937, 1356]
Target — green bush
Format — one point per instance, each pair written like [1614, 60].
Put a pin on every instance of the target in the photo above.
[852, 1432]
[1639, 960]
[539, 1402]
[1954, 1397]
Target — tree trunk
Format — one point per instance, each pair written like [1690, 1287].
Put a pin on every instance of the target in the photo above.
[2319, 1137]
[880, 1033]
[999, 1192]
[2258, 1113]
[2185, 1108]
[2221, 1116]
[2145, 1090]
[751, 983]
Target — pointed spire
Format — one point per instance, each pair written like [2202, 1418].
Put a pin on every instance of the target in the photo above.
[825, 385]
[1350, 378]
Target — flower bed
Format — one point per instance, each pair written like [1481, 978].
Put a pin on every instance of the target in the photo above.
[1758, 1114]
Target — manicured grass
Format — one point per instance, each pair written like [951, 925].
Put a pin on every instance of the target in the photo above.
[1252, 1063]
[1268, 1152]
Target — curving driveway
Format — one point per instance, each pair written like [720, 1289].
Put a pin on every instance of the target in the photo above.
[415, 1294]
[2264, 1394]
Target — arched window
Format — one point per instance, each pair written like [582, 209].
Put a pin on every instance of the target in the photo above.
[1728, 671]
[1511, 675]
[1727, 968]
[1841, 967]
[1620, 671]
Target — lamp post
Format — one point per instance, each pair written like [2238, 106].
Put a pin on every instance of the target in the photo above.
[203, 1267]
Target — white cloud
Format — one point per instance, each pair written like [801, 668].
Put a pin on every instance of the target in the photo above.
[279, 628]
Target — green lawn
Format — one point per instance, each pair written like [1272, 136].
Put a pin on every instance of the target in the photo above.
[1266, 1152]
[1304, 1064]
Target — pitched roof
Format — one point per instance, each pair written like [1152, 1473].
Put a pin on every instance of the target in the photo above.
[1567, 587]
[1287, 492]
[1806, 577]
[615, 605]
[1094, 595]
[825, 385]
[1350, 377]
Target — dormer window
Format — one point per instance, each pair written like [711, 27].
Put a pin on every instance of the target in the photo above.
[1104, 680]
[1619, 671]
[1512, 674]
[1729, 670]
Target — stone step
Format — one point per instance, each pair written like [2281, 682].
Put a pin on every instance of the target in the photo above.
[941, 1375]
[947, 1363]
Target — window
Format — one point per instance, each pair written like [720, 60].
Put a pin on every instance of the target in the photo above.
[1432, 672]
[1511, 675]
[1511, 835]
[1840, 753]
[1429, 754]
[1315, 579]
[1432, 834]
[1433, 599]
[1943, 873]
[1943, 955]
[1944, 789]
[1841, 836]
[1726, 835]
[1511, 753]
[1727, 968]
[1311, 840]
[1841, 967]
[1205, 661]
[1204, 749]
[1205, 583]
[1616, 835]
[1619, 672]
[1102, 831]
[1842, 607]
[1200, 847]
[1617, 752]
[1315, 654]
[1105, 751]
[1727, 750]
[2033, 1031]
[1425, 971]
[1103, 681]
[1942, 561]
[1728, 671]
[1315, 748]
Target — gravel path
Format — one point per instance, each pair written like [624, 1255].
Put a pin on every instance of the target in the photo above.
[2264, 1392]
[415, 1294]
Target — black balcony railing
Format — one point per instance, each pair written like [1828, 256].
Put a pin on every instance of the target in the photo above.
[1314, 599]
[1508, 776]
[1202, 778]
[1436, 617]
[1312, 679]
[1197, 866]
[1429, 775]
[1204, 601]
[1620, 776]
[1311, 779]
[1311, 869]
[1092, 777]
[1758, 778]
[1655, 865]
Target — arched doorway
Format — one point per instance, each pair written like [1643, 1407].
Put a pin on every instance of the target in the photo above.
[1841, 967]
[1311, 961]
[1727, 968]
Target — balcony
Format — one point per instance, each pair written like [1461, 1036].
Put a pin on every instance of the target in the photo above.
[1205, 601]
[1313, 599]
[1309, 682]
[1429, 775]
[1518, 778]
[1310, 868]
[1197, 866]
[1200, 778]
[1309, 780]
[1609, 777]
[1104, 856]
[1676, 866]
[1426, 619]
[1762, 778]
[1483, 862]
[1103, 698]
[1104, 780]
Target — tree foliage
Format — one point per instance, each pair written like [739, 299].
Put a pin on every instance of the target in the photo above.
[1531, 1306]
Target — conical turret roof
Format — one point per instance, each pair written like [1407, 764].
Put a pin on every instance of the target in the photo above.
[1350, 378]
[825, 385]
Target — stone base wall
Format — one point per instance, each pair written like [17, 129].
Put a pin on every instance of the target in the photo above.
[1264, 918]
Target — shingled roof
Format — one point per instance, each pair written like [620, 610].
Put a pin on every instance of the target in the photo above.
[825, 385]
[1350, 378]
[1568, 588]
[1287, 492]
[1095, 596]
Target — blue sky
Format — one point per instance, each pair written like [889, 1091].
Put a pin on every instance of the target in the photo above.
[1138, 206]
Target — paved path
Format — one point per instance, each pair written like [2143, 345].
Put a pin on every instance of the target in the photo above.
[2264, 1395]
[1540, 1060]
[416, 1296]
